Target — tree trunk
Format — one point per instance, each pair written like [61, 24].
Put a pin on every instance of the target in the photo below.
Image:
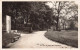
[57, 25]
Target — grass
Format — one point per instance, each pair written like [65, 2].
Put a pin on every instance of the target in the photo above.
[69, 37]
[7, 38]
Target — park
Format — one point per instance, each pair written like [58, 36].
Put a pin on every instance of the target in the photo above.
[43, 24]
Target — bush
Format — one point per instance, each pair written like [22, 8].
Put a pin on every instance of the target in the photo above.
[72, 25]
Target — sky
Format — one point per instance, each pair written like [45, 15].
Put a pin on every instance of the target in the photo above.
[50, 4]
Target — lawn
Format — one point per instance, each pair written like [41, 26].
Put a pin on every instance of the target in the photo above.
[69, 37]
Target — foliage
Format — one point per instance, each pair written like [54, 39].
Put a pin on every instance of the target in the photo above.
[39, 14]
[36, 13]
[63, 11]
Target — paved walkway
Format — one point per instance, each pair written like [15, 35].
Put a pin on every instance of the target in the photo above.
[36, 40]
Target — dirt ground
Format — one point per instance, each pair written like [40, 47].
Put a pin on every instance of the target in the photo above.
[36, 40]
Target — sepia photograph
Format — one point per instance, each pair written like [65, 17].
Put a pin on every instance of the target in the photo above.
[39, 24]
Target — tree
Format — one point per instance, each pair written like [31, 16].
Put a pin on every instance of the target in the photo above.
[63, 11]
[36, 13]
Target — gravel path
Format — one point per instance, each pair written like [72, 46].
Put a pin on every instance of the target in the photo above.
[36, 40]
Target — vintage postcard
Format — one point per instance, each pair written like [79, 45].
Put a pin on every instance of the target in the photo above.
[40, 24]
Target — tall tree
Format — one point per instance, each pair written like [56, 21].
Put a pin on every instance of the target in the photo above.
[62, 10]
